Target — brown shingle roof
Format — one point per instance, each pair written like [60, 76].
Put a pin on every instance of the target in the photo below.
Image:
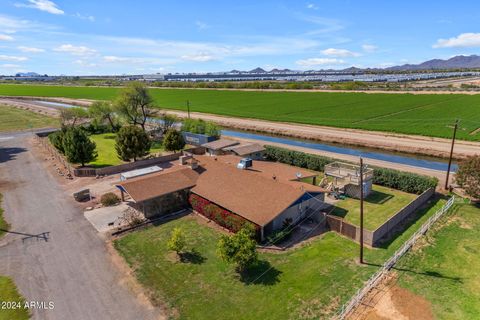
[158, 184]
[253, 193]
[246, 149]
[248, 193]
[220, 144]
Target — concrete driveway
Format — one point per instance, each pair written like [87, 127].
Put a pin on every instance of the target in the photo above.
[69, 264]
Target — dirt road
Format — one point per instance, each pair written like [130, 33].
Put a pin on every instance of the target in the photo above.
[437, 147]
[56, 255]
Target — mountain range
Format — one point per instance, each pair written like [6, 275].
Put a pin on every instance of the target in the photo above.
[457, 62]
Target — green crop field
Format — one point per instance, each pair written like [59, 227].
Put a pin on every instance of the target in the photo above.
[425, 114]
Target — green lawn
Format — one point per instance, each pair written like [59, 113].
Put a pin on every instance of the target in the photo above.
[305, 283]
[3, 224]
[107, 155]
[445, 270]
[425, 114]
[12, 119]
[9, 293]
[379, 206]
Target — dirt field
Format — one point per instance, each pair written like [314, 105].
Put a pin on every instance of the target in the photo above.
[391, 302]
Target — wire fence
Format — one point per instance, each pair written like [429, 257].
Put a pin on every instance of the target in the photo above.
[375, 279]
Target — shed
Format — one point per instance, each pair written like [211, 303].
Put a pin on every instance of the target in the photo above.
[216, 147]
[139, 172]
[250, 150]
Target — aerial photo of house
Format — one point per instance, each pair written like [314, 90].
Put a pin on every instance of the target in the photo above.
[222, 160]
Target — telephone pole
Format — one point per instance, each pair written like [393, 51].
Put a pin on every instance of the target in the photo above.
[188, 108]
[451, 153]
[361, 210]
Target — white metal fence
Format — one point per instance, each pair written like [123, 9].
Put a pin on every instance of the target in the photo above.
[384, 269]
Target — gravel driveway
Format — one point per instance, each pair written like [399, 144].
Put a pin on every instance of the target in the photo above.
[69, 264]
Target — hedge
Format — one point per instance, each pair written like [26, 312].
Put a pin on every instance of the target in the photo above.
[221, 216]
[403, 181]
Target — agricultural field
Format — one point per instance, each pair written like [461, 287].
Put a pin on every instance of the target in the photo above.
[444, 269]
[426, 114]
[107, 155]
[12, 119]
[307, 282]
[379, 206]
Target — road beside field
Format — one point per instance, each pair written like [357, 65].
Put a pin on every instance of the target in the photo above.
[436, 147]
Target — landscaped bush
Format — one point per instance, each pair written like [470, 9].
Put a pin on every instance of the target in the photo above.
[109, 199]
[404, 181]
[56, 139]
[221, 216]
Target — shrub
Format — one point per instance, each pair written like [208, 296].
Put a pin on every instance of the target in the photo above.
[200, 126]
[56, 139]
[239, 249]
[109, 199]
[468, 176]
[404, 181]
[177, 240]
[131, 217]
[173, 140]
[221, 216]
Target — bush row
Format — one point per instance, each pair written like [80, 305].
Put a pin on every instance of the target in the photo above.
[221, 216]
[404, 181]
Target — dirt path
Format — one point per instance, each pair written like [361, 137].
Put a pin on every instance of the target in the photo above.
[437, 147]
[69, 264]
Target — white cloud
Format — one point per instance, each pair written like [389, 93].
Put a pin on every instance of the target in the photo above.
[463, 40]
[137, 60]
[42, 5]
[4, 37]
[312, 6]
[9, 66]
[85, 63]
[319, 62]
[85, 17]
[369, 48]
[75, 50]
[12, 58]
[201, 25]
[342, 53]
[30, 49]
[198, 57]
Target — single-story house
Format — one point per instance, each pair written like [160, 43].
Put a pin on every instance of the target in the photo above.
[215, 148]
[267, 194]
[248, 150]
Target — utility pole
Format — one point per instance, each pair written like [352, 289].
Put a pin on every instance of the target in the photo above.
[361, 210]
[188, 108]
[451, 153]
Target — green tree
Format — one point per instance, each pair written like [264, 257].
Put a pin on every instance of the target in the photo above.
[167, 122]
[103, 111]
[239, 249]
[69, 117]
[135, 104]
[173, 140]
[132, 142]
[468, 176]
[78, 148]
[56, 139]
[177, 240]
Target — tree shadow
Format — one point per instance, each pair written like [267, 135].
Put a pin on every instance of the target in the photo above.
[261, 273]
[339, 212]
[430, 273]
[192, 256]
[378, 197]
[8, 154]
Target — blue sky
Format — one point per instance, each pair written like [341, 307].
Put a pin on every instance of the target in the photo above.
[143, 36]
